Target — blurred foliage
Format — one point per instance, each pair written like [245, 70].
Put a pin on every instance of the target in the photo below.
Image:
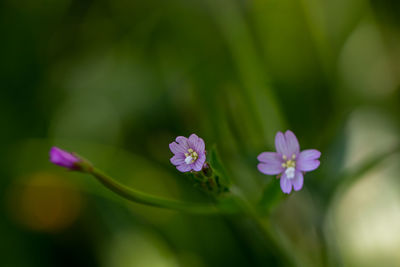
[116, 81]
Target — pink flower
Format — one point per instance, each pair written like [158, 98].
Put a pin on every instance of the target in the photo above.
[288, 161]
[189, 153]
[64, 159]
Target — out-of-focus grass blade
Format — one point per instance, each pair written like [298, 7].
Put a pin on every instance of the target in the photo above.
[270, 198]
[260, 98]
[349, 177]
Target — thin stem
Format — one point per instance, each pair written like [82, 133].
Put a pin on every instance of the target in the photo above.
[143, 198]
[236, 204]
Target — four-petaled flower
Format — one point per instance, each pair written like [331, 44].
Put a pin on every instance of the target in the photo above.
[189, 153]
[64, 158]
[288, 161]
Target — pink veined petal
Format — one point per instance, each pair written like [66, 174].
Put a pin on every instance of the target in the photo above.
[286, 184]
[308, 160]
[196, 143]
[281, 145]
[178, 159]
[177, 148]
[270, 157]
[201, 146]
[269, 169]
[271, 163]
[309, 165]
[310, 154]
[298, 181]
[184, 167]
[292, 143]
[183, 141]
[193, 138]
[198, 165]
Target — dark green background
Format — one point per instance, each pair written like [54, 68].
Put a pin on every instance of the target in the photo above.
[116, 81]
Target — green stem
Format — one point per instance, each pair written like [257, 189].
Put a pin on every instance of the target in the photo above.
[143, 198]
[235, 204]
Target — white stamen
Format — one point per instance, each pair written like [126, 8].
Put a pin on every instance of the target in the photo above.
[188, 159]
[290, 172]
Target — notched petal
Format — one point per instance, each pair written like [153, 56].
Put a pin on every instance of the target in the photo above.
[176, 148]
[270, 157]
[298, 181]
[183, 167]
[178, 159]
[308, 160]
[270, 169]
[292, 143]
[286, 185]
[196, 143]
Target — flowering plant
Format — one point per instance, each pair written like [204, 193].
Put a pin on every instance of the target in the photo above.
[288, 162]
[207, 172]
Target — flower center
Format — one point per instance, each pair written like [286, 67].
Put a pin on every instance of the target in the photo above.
[290, 172]
[191, 156]
[290, 165]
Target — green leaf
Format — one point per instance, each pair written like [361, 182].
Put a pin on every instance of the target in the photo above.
[217, 167]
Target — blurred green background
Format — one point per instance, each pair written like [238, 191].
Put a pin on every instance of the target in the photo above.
[116, 81]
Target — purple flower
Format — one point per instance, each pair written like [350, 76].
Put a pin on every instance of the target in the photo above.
[189, 153]
[64, 159]
[288, 161]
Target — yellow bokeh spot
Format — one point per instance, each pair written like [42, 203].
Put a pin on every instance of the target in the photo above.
[44, 202]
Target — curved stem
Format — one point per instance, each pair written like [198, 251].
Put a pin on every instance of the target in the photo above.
[143, 198]
[233, 205]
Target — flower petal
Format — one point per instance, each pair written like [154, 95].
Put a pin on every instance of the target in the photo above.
[271, 163]
[298, 181]
[269, 169]
[270, 157]
[292, 143]
[286, 184]
[196, 143]
[308, 160]
[183, 141]
[287, 144]
[193, 138]
[178, 159]
[198, 165]
[280, 143]
[177, 148]
[63, 158]
[184, 167]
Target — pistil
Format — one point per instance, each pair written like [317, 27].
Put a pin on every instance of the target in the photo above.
[289, 165]
[191, 156]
